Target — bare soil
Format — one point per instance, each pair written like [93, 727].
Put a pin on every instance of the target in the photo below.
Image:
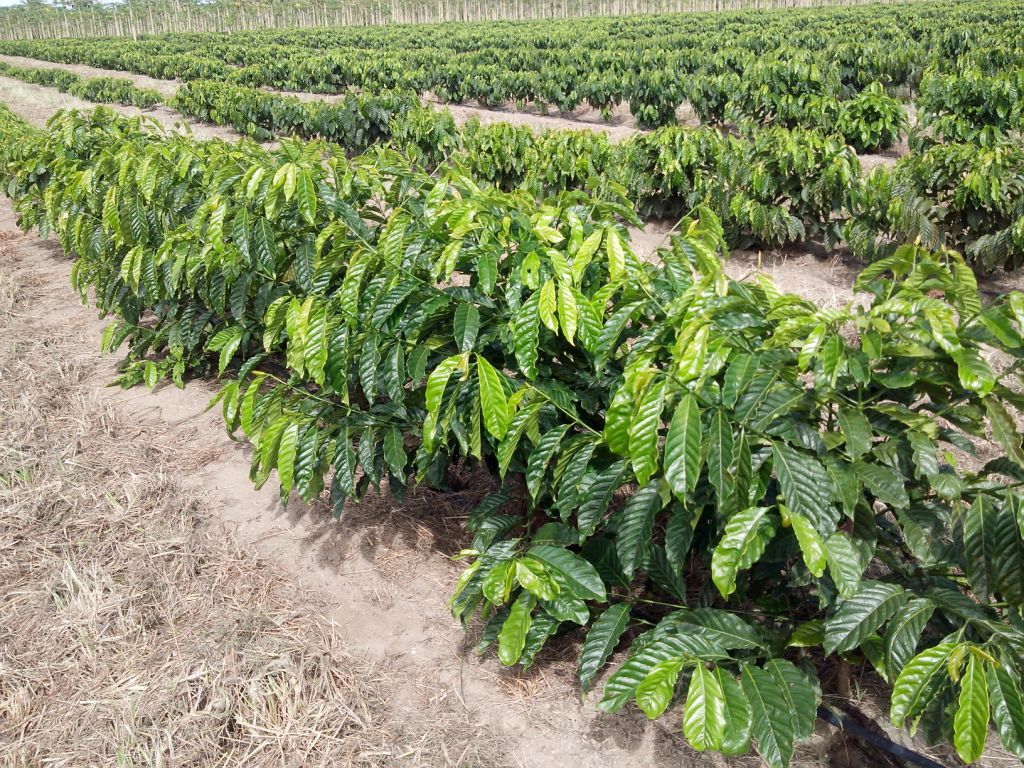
[166, 88]
[36, 104]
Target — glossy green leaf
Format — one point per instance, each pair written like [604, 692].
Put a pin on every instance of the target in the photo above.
[601, 640]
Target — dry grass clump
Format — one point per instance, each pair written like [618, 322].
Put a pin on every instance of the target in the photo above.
[132, 637]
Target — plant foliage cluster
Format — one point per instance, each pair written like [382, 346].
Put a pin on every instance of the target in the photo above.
[776, 187]
[727, 490]
[801, 65]
[106, 90]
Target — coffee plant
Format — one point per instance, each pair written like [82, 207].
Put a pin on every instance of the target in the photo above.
[789, 68]
[108, 90]
[731, 494]
[871, 121]
[961, 196]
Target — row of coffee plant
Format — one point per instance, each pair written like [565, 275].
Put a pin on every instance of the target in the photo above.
[107, 90]
[811, 67]
[772, 186]
[729, 494]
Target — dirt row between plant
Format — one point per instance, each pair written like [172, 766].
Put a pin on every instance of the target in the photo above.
[37, 103]
[621, 126]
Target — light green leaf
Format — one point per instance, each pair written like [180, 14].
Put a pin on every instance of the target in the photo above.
[970, 724]
[704, 713]
[744, 541]
[568, 312]
[643, 433]
[655, 693]
[548, 306]
[578, 574]
[811, 544]
[512, 637]
[492, 399]
[921, 680]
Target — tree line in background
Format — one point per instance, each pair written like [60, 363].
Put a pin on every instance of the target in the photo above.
[36, 19]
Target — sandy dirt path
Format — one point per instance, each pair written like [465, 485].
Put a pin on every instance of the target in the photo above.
[36, 104]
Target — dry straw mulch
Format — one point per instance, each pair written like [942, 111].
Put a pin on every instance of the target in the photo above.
[131, 635]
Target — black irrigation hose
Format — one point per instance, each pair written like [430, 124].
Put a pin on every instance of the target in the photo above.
[902, 753]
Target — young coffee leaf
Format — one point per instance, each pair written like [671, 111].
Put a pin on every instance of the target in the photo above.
[970, 724]
[601, 641]
[492, 399]
[859, 616]
[568, 311]
[655, 693]
[643, 433]
[811, 544]
[922, 679]
[704, 717]
[548, 306]
[746, 536]
[512, 637]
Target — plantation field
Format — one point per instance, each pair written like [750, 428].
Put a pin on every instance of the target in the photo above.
[676, 357]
